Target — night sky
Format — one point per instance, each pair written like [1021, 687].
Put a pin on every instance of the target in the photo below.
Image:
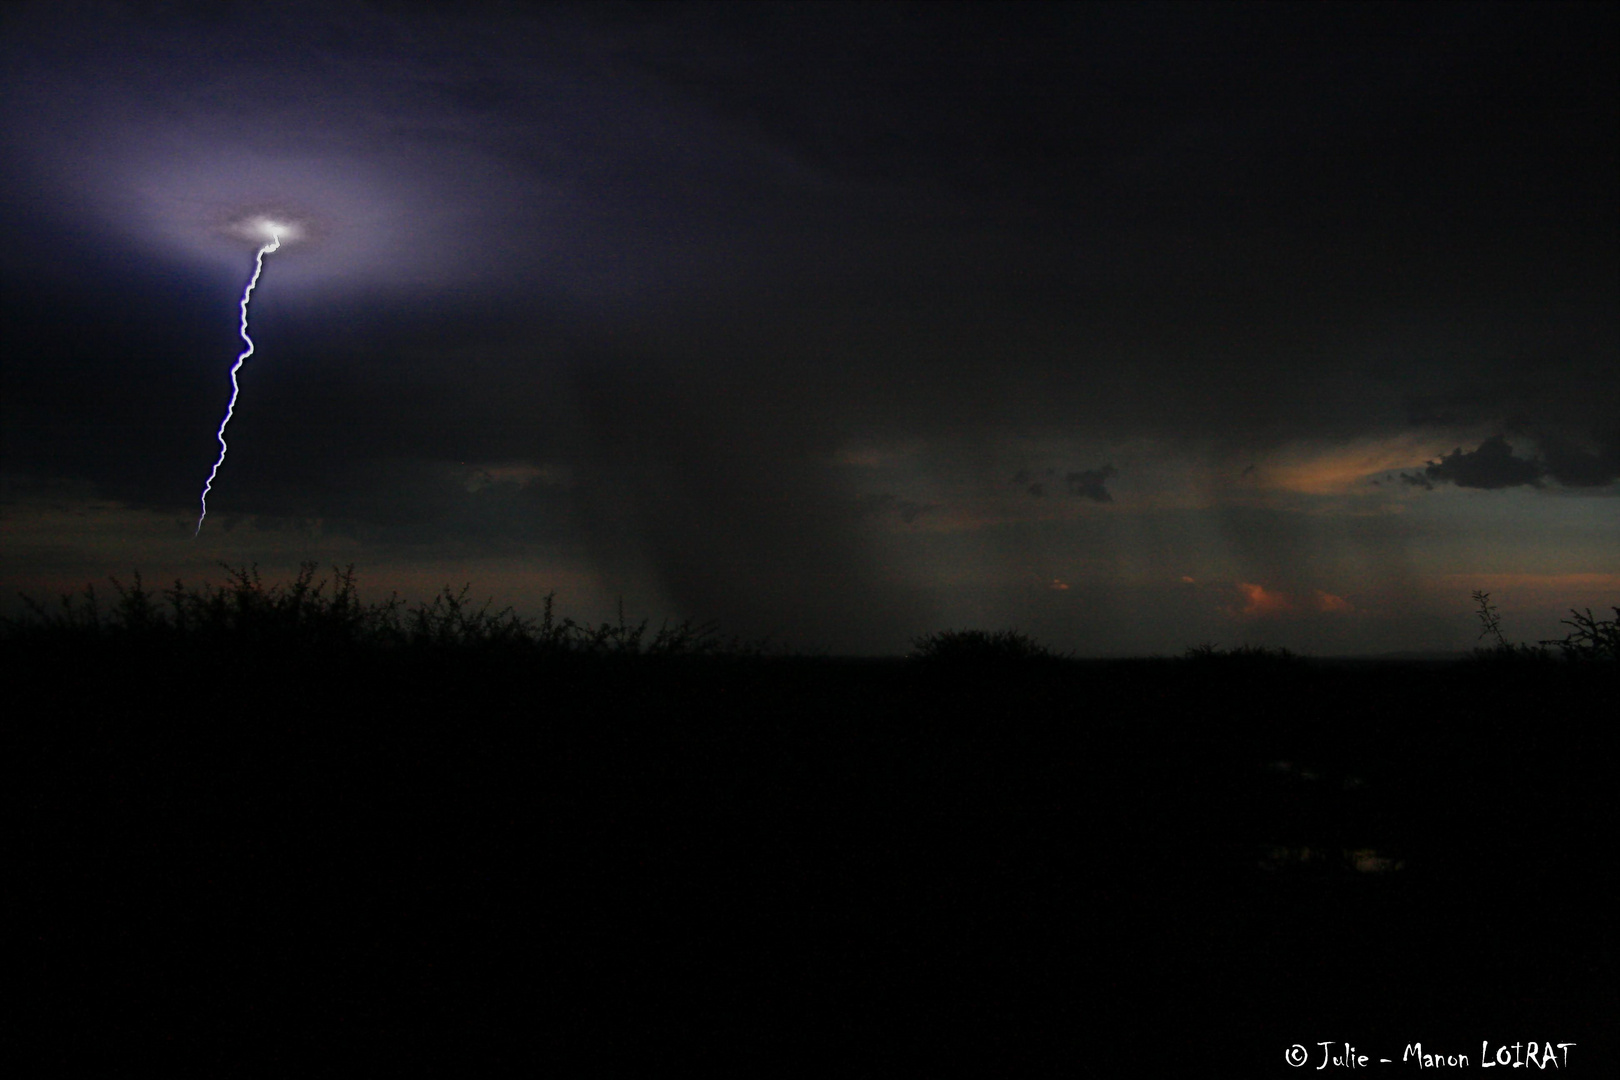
[1131, 327]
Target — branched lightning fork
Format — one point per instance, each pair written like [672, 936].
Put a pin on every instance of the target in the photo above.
[230, 409]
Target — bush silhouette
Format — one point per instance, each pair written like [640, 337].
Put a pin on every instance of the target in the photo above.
[1242, 655]
[980, 647]
[327, 613]
[1590, 638]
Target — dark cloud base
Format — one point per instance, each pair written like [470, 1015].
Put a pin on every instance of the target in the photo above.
[1493, 465]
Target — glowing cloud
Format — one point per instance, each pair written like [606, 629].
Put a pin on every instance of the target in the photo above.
[1326, 601]
[1330, 470]
[1262, 602]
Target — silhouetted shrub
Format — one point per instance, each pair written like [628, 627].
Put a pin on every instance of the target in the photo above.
[980, 647]
[323, 614]
[1590, 639]
[1489, 618]
[1242, 655]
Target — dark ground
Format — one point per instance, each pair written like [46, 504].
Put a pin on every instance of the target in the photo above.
[245, 861]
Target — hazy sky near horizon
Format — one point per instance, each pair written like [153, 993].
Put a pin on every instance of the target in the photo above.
[1131, 326]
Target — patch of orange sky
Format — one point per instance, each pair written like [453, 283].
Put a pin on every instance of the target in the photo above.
[1261, 602]
[1314, 469]
[1326, 601]
[1560, 591]
[1336, 470]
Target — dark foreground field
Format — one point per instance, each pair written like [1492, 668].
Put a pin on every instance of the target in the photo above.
[254, 860]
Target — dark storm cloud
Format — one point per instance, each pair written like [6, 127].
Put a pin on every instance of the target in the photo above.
[1492, 465]
[1026, 479]
[1417, 480]
[1090, 483]
[1574, 467]
[890, 193]
[1202, 240]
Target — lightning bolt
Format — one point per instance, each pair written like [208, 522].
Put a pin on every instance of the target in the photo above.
[230, 409]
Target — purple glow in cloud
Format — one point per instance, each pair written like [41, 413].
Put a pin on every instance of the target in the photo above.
[421, 156]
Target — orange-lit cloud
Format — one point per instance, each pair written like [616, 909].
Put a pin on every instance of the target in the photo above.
[1262, 602]
[1059, 584]
[1330, 471]
[1326, 601]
